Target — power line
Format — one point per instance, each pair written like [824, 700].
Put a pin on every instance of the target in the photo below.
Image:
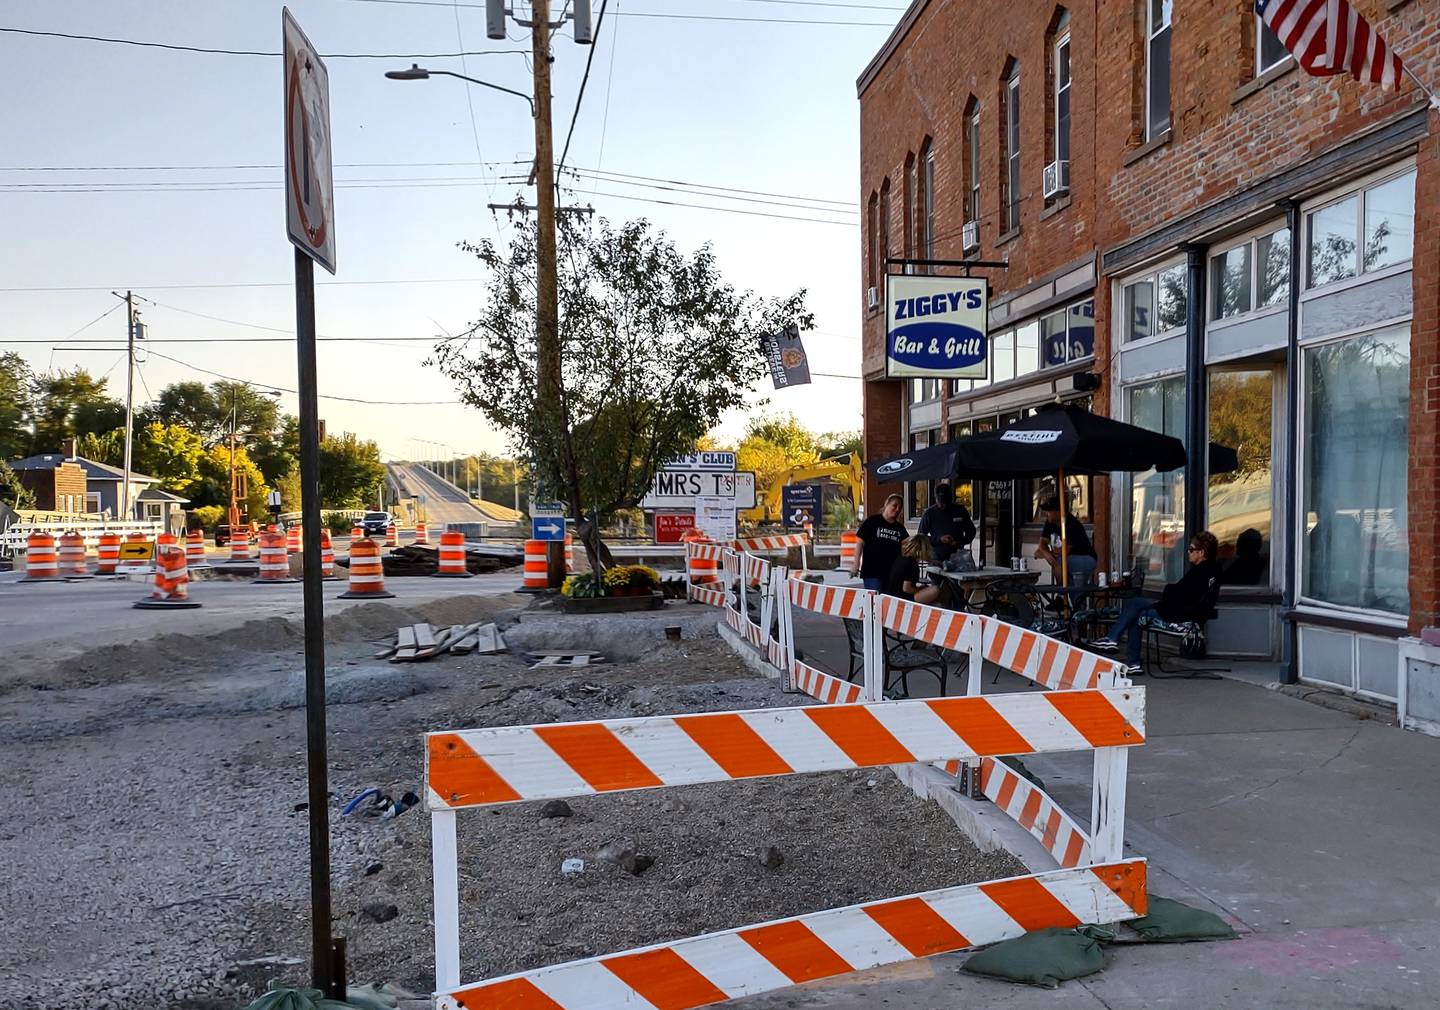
[723, 192]
[252, 52]
[244, 284]
[680, 17]
[609, 88]
[584, 80]
[726, 210]
[275, 167]
[849, 204]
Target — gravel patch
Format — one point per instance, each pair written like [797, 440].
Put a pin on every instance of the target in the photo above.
[158, 857]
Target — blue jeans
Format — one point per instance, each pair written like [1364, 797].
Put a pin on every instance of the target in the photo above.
[875, 584]
[1129, 621]
[1082, 569]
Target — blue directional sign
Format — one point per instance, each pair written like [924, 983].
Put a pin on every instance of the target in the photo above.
[547, 529]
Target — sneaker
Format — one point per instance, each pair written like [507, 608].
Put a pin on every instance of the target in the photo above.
[1105, 644]
[1134, 670]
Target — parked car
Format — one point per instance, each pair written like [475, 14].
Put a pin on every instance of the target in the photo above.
[376, 522]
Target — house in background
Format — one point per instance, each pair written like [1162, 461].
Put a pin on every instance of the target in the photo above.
[80, 486]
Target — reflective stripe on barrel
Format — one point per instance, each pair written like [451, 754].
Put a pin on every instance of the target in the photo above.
[41, 561]
[452, 554]
[367, 572]
[537, 568]
[274, 560]
[107, 554]
[72, 555]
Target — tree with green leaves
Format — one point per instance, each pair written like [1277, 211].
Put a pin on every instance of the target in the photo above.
[68, 404]
[170, 452]
[350, 472]
[12, 492]
[655, 347]
[15, 406]
[208, 410]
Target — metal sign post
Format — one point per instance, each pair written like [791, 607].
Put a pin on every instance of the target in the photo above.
[309, 202]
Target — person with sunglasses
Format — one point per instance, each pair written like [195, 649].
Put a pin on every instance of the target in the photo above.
[1180, 601]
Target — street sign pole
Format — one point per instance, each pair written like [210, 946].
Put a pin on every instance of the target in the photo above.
[309, 206]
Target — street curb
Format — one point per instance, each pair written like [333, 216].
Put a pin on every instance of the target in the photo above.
[1338, 701]
[978, 820]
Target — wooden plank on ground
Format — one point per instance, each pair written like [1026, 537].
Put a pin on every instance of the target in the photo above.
[424, 636]
[404, 645]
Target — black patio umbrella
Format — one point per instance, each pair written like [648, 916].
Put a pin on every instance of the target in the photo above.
[1064, 438]
[1223, 459]
[935, 463]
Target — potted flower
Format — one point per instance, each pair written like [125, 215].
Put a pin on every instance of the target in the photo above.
[616, 580]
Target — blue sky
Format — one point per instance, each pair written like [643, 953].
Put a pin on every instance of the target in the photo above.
[757, 105]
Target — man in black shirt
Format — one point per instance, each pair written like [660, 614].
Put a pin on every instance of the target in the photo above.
[880, 539]
[1077, 547]
[947, 524]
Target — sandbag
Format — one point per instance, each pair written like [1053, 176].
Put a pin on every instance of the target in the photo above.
[1045, 957]
[1170, 921]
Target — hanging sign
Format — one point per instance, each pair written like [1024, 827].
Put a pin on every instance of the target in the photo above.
[935, 327]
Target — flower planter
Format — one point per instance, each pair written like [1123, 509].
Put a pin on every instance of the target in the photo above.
[647, 600]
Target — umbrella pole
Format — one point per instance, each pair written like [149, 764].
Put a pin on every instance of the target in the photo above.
[1064, 540]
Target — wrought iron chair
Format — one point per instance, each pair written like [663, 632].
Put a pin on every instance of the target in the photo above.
[1189, 637]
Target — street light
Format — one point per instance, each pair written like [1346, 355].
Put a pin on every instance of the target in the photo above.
[419, 73]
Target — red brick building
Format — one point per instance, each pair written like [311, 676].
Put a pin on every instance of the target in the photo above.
[1244, 254]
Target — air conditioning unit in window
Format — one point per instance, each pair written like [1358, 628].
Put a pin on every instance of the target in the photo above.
[872, 298]
[1057, 178]
[970, 235]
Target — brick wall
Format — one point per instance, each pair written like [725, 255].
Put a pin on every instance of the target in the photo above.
[70, 480]
[1424, 487]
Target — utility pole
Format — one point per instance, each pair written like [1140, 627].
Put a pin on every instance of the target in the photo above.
[234, 509]
[125, 509]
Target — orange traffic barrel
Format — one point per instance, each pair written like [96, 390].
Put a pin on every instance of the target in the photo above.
[392, 538]
[72, 557]
[292, 539]
[107, 554]
[172, 580]
[274, 560]
[537, 568]
[569, 554]
[42, 564]
[327, 557]
[367, 572]
[239, 545]
[195, 550]
[452, 556]
[422, 534]
[849, 550]
[357, 532]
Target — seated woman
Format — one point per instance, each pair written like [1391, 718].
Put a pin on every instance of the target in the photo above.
[905, 579]
[1180, 601]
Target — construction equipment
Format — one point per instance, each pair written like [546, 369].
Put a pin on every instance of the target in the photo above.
[844, 470]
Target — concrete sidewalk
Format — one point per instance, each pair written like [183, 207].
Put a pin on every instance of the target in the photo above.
[1310, 829]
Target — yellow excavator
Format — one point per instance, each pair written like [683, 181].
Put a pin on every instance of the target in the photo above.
[843, 470]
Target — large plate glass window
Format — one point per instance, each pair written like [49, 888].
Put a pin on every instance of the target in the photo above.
[1362, 232]
[1241, 502]
[1355, 471]
[1157, 500]
[1155, 304]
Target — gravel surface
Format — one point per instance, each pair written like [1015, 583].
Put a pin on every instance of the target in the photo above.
[158, 856]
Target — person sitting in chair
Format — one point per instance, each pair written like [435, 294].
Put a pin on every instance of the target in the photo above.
[906, 580]
[1180, 601]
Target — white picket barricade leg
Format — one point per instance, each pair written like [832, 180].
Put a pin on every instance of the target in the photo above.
[445, 867]
[1107, 804]
[874, 648]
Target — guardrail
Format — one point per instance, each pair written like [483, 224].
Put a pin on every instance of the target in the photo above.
[500, 765]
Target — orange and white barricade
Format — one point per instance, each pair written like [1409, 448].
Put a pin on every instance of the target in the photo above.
[239, 545]
[107, 554]
[274, 560]
[367, 573]
[392, 536]
[172, 579]
[452, 556]
[734, 601]
[849, 550]
[73, 563]
[422, 534]
[702, 567]
[778, 542]
[537, 568]
[42, 563]
[195, 550]
[327, 557]
[511, 764]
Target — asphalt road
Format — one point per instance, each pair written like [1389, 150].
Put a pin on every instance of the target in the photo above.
[444, 502]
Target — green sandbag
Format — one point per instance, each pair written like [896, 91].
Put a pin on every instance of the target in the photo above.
[1171, 921]
[1045, 957]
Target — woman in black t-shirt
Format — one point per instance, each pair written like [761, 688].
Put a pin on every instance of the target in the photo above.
[880, 539]
[906, 580]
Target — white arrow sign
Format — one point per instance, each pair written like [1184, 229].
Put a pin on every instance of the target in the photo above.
[549, 528]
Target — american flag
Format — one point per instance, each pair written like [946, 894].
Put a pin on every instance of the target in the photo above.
[1330, 37]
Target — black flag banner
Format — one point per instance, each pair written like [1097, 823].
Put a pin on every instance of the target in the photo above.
[786, 355]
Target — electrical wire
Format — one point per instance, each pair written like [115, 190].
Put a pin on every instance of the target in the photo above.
[650, 14]
[784, 201]
[209, 168]
[726, 210]
[848, 204]
[609, 88]
[323, 396]
[584, 80]
[255, 52]
[243, 284]
[93, 321]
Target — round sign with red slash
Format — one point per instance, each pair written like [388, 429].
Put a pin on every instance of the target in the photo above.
[309, 182]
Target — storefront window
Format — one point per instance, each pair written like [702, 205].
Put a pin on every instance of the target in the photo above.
[1273, 272]
[1230, 282]
[1027, 349]
[1332, 242]
[1002, 357]
[1157, 500]
[1390, 222]
[1353, 549]
[1241, 505]
[1171, 299]
[1140, 310]
[1082, 329]
[1156, 304]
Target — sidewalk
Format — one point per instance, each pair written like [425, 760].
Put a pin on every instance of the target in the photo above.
[1313, 831]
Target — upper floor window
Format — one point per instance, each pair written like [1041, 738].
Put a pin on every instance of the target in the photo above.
[1250, 276]
[1269, 51]
[872, 269]
[1068, 335]
[907, 225]
[927, 200]
[1011, 209]
[972, 196]
[1157, 67]
[884, 228]
[1367, 230]
[1155, 303]
[922, 390]
[1062, 90]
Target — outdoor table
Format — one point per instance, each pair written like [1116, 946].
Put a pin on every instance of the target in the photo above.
[1088, 601]
[976, 581]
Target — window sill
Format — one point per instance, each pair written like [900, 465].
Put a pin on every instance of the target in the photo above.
[1395, 5]
[1147, 148]
[1008, 237]
[1055, 207]
[1268, 77]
